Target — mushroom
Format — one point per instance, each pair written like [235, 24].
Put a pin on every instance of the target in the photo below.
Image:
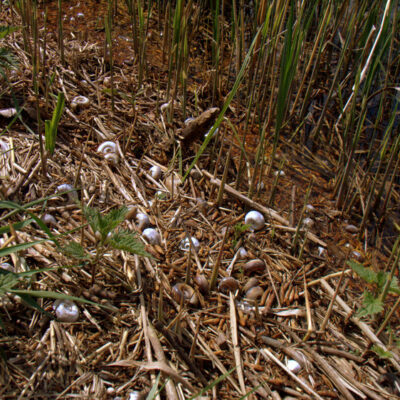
[310, 208]
[185, 244]
[107, 147]
[293, 366]
[308, 222]
[351, 228]
[112, 158]
[254, 293]
[228, 284]
[321, 251]
[48, 219]
[143, 221]
[152, 236]
[256, 265]
[155, 172]
[72, 195]
[182, 292]
[8, 112]
[250, 284]
[79, 103]
[66, 310]
[242, 253]
[202, 283]
[255, 219]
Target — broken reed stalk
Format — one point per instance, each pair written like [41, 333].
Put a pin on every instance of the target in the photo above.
[224, 176]
[109, 44]
[300, 223]
[60, 31]
[331, 303]
[215, 269]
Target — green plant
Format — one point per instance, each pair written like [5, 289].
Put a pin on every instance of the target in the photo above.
[104, 226]
[373, 303]
[108, 236]
[238, 230]
[7, 59]
[52, 125]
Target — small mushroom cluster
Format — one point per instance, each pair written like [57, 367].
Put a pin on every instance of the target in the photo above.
[251, 289]
[151, 235]
[109, 151]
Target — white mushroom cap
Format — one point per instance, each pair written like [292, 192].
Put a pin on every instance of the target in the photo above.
[152, 236]
[185, 244]
[66, 310]
[293, 366]
[155, 172]
[255, 219]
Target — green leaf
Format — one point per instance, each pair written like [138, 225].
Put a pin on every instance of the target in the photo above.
[371, 305]
[52, 126]
[367, 274]
[127, 241]
[381, 278]
[394, 286]
[75, 250]
[5, 251]
[8, 280]
[153, 392]
[381, 352]
[6, 30]
[105, 223]
[17, 226]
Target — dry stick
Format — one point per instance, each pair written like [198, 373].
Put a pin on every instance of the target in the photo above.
[330, 372]
[27, 176]
[119, 185]
[210, 353]
[173, 341]
[215, 269]
[289, 351]
[224, 176]
[334, 275]
[268, 355]
[169, 386]
[235, 343]
[144, 322]
[269, 212]
[362, 325]
[330, 307]
[308, 308]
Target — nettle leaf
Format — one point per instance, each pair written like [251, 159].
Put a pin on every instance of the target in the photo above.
[75, 250]
[367, 274]
[105, 223]
[8, 280]
[381, 352]
[381, 278]
[371, 305]
[114, 218]
[394, 286]
[6, 30]
[127, 241]
[93, 217]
